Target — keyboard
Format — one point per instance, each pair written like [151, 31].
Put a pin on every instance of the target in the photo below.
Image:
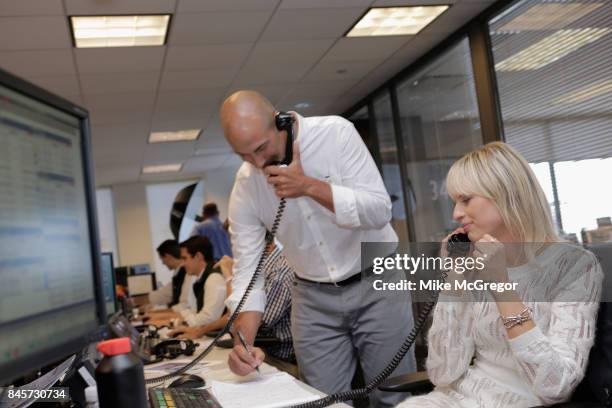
[181, 398]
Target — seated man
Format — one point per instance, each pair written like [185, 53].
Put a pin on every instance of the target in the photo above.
[276, 321]
[208, 289]
[176, 291]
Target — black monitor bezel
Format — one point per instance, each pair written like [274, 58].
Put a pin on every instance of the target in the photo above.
[54, 354]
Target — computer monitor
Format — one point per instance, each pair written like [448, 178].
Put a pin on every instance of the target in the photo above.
[108, 283]
[51, 301]
[139, 269]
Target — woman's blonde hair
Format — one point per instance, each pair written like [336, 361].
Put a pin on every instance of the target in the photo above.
[498, 172]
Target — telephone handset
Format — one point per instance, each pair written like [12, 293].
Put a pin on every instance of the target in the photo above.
[120, 326]
[284, 121]
[458, 245]
[172, 348]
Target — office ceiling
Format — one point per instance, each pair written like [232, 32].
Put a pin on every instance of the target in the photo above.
[293, 51]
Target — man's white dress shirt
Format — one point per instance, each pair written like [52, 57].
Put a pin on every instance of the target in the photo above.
[321, 245]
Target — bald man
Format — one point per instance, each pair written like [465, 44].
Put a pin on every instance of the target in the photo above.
[336, 200]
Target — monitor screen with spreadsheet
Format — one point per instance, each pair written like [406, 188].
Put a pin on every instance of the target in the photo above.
[50, 296]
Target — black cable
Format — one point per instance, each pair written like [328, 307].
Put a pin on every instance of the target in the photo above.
[362, 393]
[262, 259]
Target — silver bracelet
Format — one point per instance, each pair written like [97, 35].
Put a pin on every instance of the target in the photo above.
[518, 320]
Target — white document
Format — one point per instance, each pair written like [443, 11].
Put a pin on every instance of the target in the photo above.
[274, 391]
[140, 284]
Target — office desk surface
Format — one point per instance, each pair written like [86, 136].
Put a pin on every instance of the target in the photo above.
[217, 369]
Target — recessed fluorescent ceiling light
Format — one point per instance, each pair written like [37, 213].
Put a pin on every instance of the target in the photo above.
[587, 92]
[395, 20]
[162, 168]
[119, 31]
[178, 136]
[550, 49]
[549, 16]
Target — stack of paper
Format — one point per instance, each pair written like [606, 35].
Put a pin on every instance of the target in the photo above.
[273, 391]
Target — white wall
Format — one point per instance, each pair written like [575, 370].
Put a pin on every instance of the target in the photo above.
[160, 198]
[106, 222]
[219, 185]
[133, 230]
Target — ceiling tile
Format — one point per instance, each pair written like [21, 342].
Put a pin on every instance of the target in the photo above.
[322, 89]
[34, 33]
[184, 106]
[454, 18]
[176, 152]
[163, 126]
[355, 49]
[399, 3]
[31, 8]
[306, 4]
[119, 82]
[217, 28]
[202, 164]
[189, 100]
[119, 60]
[133, 134]
[60, 84]
[273, 92]
[311, 23]
[266, 65]
[190, 6]
[213, 151]
[413, 50]
[36, 63]
[131, 137]
[318, 95]
[106, 175]
[135, 101]
[117, 116]
[213, 137]
[120, 108]
[340, 70]
[196, 113]
[206, 56]
[187, 177]
[197, 79]
[98, 7]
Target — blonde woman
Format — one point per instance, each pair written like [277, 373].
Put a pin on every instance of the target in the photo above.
[511, 349]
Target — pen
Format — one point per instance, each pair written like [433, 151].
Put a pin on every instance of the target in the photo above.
[246, 347]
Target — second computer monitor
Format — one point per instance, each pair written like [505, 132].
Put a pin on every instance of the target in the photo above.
[108, 283]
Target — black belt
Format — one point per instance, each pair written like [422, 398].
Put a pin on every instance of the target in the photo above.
[351, 279]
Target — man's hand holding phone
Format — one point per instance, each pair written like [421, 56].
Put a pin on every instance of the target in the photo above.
[289, 181]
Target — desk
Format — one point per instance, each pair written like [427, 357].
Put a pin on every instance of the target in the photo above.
[221, 371]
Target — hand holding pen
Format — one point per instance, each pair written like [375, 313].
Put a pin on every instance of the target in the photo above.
[243, 359]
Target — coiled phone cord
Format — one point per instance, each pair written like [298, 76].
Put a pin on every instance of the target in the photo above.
[361, 393]
[249, 288]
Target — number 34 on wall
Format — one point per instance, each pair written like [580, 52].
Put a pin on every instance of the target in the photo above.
[438, 189]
